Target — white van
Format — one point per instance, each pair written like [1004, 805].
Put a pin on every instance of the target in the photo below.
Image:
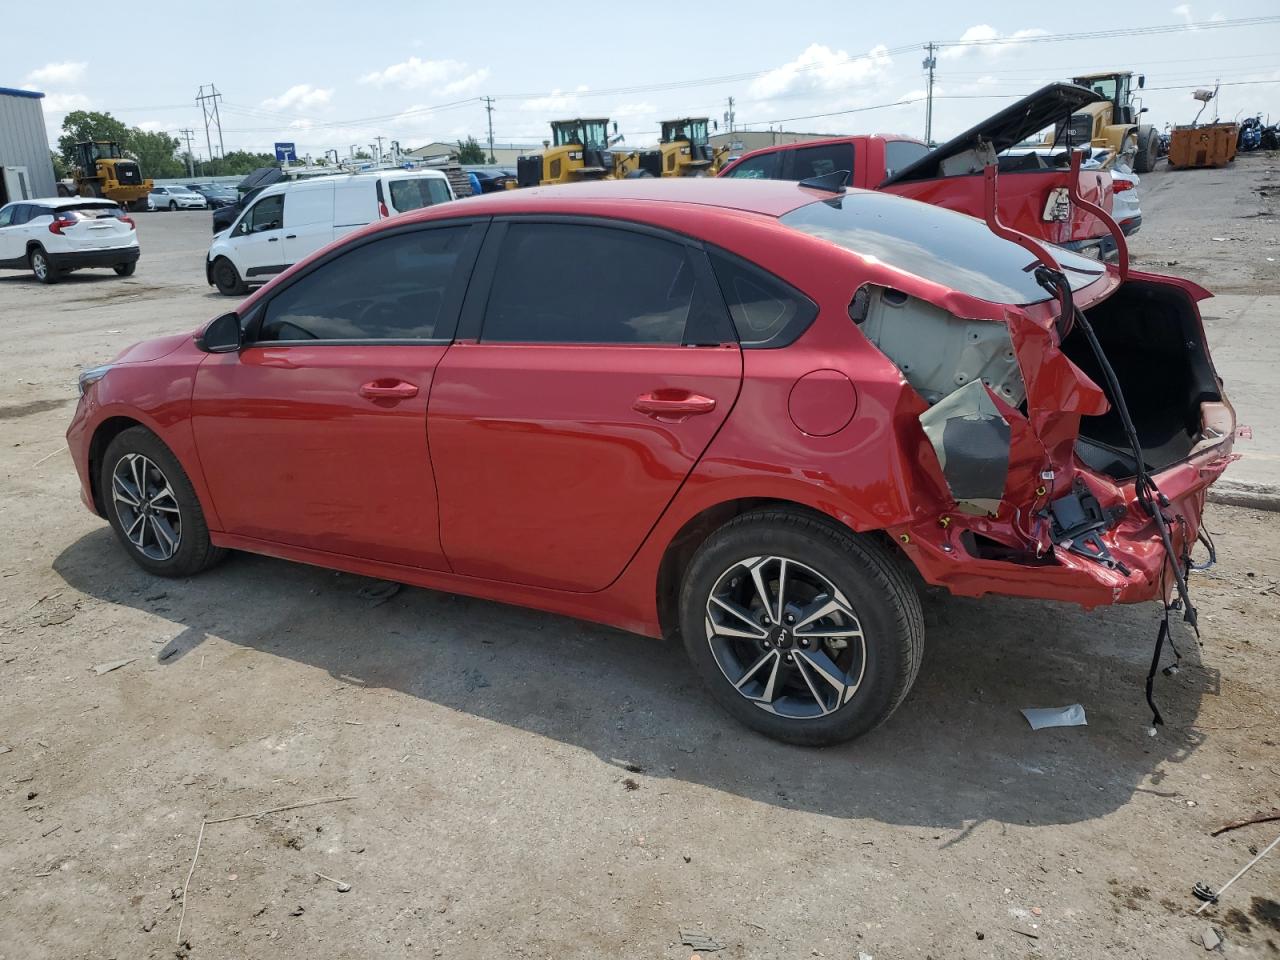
[289, 221]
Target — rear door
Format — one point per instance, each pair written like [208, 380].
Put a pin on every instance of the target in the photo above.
[314, 434]
[604, 365]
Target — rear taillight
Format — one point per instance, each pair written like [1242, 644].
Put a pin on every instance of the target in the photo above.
[383, 212]
[1120, 186]
[58, 225]
[129, 221]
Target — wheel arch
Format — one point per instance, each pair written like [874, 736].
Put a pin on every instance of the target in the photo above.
[103, 434]
[695, 531]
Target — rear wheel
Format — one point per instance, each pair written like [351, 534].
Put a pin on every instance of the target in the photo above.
[153, 508]
[800, 629]
[42, 266]
[227, 278]
[125, 269]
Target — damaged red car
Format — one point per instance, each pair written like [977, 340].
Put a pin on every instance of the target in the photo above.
[735, 412]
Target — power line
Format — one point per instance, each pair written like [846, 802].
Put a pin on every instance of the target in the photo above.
[209, 108]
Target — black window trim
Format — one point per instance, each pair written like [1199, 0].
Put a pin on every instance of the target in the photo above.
[790, 333]
[449, 310]
[471, 323]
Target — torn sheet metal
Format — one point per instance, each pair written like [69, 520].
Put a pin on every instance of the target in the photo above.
[971, 439]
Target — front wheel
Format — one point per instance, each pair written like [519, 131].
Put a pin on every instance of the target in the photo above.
[173, 206]
[153, 508]
[1147, 156]
[800, 629]
[227, 278]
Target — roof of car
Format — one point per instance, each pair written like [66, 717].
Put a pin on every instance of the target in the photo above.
[64, 201]
[769, 197]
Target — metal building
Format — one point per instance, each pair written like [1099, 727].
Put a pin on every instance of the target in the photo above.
[25, 168]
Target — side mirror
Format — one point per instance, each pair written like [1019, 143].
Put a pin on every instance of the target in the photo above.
[1142, 80]
[615, 126]
[1144, 109]
[715, 124]
[222, 335]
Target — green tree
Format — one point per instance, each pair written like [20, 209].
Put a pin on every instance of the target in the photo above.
[156, 153]
[81, 125]
[237, 163]
[59, 165]
[361, 155]
[469, 151]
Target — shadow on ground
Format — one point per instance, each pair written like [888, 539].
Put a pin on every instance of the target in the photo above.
[957, 752]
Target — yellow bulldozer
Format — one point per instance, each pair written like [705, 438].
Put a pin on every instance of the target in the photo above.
[1112, 123]
[684, 150]
[579, 149]
[102, 170]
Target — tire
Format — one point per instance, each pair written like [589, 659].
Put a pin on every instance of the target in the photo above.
[173, 206]
[42, 265]
[91, 189]
[139, 206]
[637, 175]
[1128, 151]
[1145, 162]
[227, 278]
[168, 535]
[869, 600]
[125, 269]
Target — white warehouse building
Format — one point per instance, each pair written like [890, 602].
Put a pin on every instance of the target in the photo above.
[25, 168]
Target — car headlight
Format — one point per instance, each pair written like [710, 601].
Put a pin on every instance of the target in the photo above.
[90, 376]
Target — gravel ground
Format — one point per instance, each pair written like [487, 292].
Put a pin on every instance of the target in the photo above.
[524, 785]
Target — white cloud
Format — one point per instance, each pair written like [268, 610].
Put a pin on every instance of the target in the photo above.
[446, 77]
[819, 69]
[57, 74]
[987, 41]
[1183, 11]
[150, 126]
[65, 102]
[301, 95]
[557, 101]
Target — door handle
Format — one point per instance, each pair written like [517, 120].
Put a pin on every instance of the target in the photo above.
[291, 236]
[388, 390]
[273, 239]
[673, 403]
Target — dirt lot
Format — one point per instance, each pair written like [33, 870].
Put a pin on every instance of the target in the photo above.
[522, 785]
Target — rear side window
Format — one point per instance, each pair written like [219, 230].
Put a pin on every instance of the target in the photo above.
[819, 161]
[570, 283]
[418, 192]
[763, 167]
[21, 214]
[900, 154]
[389, 289]
[766, 311]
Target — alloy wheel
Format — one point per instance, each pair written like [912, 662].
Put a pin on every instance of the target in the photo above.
[147, 508]
[39, 265]
[785, 637]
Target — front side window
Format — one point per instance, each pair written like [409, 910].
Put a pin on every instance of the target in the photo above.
[418, 192]
[763, 167]
[389, 289]
[569, 283]
[266, 214]
[6, 215]
[807, 162]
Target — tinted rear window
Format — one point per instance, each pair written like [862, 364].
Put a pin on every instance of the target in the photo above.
[935, 244]
[419, 192]
[90, 211]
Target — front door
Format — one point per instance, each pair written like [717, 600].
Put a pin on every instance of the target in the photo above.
[259, 239]
[604, 368]
[314, 434]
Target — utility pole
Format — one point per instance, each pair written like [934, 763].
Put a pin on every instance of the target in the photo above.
[488, 105]
[209, 108]
[930, 62]
[191, 160]
[378, 156]
[729, 116]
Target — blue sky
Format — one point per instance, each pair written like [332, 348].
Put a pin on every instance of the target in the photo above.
[329, 75]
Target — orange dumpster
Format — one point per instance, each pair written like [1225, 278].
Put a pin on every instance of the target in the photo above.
[1211, 145]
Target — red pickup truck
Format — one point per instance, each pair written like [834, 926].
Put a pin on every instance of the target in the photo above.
[1032, 192]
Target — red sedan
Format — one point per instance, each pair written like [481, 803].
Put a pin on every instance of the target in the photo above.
[737, 412]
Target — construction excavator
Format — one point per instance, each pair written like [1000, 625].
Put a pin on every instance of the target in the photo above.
[684, 150]
[579, 149]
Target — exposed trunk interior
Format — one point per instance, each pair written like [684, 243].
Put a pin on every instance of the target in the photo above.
[1154, 343]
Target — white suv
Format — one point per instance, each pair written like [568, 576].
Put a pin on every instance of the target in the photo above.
[54, 236]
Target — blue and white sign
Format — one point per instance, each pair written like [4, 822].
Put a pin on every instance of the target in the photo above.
[286, 153]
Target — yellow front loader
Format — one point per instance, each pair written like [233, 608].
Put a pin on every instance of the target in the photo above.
[684, 150]
[1112, 123]
[102, 170]
[578, 150]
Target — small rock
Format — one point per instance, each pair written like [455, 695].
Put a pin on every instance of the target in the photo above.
[298, 911]
[981, 935]
[1209, 938]
[102, 668]
[687, 858]
[344, 888]
[32, 794]
[630, 784]
[148, 926]
[4, 749]
[1036, 911]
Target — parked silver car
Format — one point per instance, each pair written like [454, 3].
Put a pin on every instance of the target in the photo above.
[178, 198]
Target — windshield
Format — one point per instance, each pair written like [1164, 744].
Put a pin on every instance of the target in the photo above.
[594, 133]
[1103, 86]
[936, 244]
[565, 133]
